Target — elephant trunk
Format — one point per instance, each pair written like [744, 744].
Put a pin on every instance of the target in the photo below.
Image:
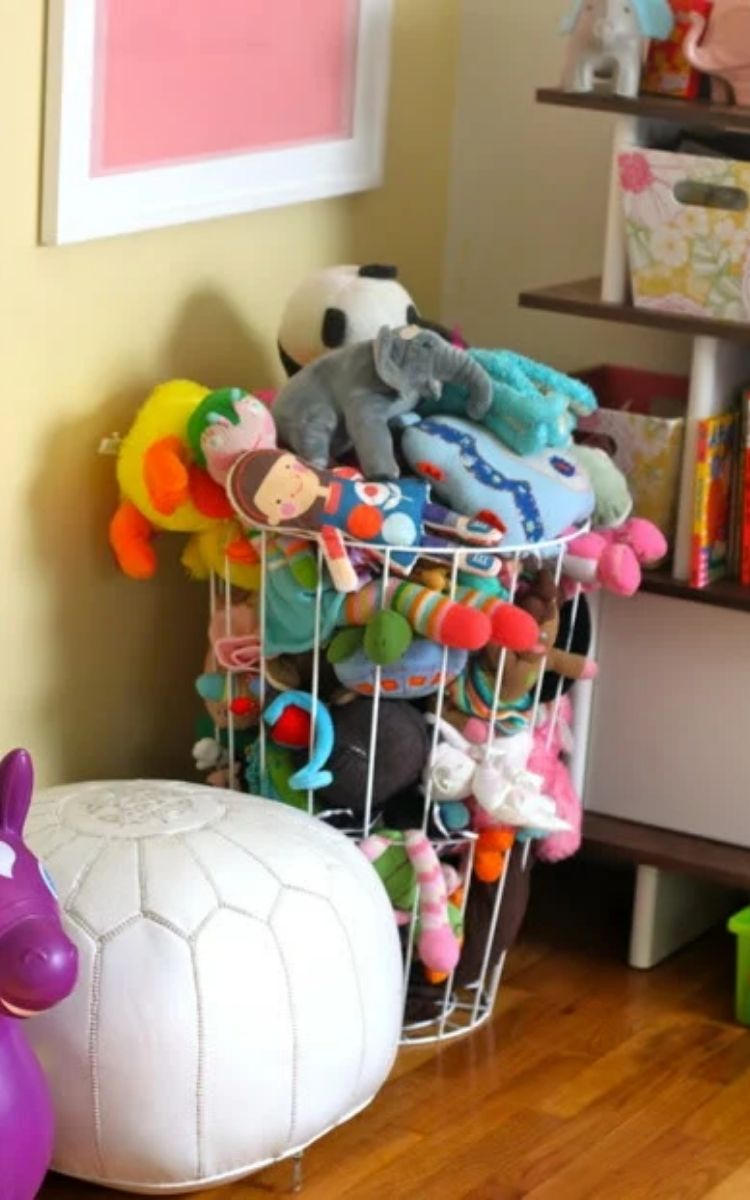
[460, 369]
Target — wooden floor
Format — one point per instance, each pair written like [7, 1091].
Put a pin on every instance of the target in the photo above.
[593, 1083]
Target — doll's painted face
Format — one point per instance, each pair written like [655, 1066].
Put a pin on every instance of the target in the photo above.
[289, 490]
[224, 440]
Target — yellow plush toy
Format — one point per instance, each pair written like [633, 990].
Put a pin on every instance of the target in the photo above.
[224, 549]
[161, 487]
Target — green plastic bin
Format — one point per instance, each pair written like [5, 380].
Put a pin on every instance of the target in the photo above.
[739, 924]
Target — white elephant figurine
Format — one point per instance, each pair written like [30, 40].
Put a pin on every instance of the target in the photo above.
[607, 42]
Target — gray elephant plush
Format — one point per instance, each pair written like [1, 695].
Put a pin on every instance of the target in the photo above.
[350, 396]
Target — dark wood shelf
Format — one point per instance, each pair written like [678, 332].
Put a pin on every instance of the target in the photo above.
[727, 593]
[691, 113]
[582, 298]
[649, 846]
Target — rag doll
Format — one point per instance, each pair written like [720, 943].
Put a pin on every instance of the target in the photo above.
[274, 489]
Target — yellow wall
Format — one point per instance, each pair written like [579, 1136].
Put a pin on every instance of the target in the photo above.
[97, 671]
[529, 193]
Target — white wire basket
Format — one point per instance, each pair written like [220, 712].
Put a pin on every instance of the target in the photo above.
[436, 1008]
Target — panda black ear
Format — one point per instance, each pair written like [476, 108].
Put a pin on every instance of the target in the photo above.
[333, 329]
[378, 271]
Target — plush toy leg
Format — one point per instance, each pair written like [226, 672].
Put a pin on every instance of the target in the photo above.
[644, 538]
[492, 848]
[367, 425]
[130, 537]
[571, 666]
[340, 568]
[439, 948]
[619, 570]
[512, 627]
[581, 562]
[467, 529]
[429, 613]
[166, 476]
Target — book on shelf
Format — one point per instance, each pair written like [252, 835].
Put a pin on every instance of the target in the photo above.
[743, 480]
[736, 501]
[714, 470]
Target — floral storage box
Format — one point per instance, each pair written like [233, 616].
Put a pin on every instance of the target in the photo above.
[687, 220]
[641, 423]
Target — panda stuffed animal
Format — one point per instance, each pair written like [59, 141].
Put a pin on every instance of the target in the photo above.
[339, 306]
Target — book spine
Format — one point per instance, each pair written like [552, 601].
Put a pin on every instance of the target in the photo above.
[745, 485]
[699, 545]
[735, 512]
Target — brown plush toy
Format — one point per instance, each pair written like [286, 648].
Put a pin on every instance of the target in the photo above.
[468, 700]
[521, 674]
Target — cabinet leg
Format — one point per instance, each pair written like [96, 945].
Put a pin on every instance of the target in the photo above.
[669, 911]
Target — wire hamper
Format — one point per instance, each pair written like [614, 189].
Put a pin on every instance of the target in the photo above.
[463, 1001]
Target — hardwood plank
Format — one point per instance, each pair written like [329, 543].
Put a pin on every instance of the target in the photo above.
[594, 1172]
[734, 1187]
[665, 1046]
[582, 298]
[648, 845]
[723, 1120]
[673, 1167]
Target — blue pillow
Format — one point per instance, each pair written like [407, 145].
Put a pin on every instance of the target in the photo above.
[537, 497]
[417, 673]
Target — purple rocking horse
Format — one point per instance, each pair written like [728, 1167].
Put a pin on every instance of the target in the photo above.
[38, 967]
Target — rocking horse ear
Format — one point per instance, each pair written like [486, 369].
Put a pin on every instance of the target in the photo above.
[16, 785]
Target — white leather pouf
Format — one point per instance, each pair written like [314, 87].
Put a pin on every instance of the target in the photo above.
[240, 986]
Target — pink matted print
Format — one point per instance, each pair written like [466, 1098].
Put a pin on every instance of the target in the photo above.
[180, 80]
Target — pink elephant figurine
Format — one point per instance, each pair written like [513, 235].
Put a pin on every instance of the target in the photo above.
[720, 46]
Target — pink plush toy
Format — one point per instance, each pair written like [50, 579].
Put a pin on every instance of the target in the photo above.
[613, 558]
[546, 760]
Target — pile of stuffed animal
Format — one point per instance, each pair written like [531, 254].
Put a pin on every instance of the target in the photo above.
[400, 502]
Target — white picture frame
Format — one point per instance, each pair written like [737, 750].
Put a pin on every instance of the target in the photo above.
[79, 206]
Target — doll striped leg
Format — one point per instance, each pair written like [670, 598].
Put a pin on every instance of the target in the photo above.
[429, 613]
[511, 627]
[439, 948]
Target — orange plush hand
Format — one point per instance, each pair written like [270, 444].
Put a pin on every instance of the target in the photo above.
[166, 476]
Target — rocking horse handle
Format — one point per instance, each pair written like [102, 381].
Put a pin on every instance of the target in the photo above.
[16, 786]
